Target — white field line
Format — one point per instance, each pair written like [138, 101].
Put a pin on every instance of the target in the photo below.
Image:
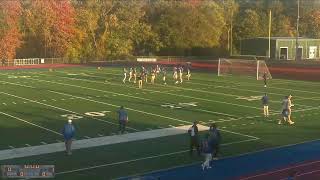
[95, 142]
[253, 85]
[161, 92]
[62, 109]
[280, 170]
[303, 174]
[170, 118]
[213, 112]
[17, 84]
[226, 94]
[141, 159]
[83, 87]
[19, 119]
[135, 110]
[247, 84]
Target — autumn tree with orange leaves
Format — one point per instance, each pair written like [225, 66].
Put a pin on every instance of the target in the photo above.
[10, 36]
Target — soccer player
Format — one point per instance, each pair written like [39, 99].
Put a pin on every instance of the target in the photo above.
[140, 79]
[181, 74]
[123, 119]
[289, 109]
[265, 79]
[153, 76]
[68, 133]
[175, 75]
[194, 138]
[134, 75]
[130, 74]
[164, 74]
[286, 110]
[188, 74]
[125, 75]
[145, 75]
[265, 102]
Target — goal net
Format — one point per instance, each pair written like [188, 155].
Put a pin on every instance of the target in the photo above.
[253, 68]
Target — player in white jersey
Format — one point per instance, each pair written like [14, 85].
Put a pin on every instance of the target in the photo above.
[164, 74]
[125, 71]
[134, 72]
[188, 74]
[175, 75]
[130, 74]
[153, 76]
[181, 74]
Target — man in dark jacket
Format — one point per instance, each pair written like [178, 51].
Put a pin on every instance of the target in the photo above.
[215, 139]
[194, 138]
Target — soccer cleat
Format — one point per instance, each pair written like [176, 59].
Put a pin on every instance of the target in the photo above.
[291, 122]
[265, 86]
[279, 123]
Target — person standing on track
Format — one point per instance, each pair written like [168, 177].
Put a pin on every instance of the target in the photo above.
[68, 133]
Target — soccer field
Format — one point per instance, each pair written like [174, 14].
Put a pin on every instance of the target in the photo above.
[35, 104]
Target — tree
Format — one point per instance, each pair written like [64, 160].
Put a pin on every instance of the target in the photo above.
[10, 36]
[50, 24]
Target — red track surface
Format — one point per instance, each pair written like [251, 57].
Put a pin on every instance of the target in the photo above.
[41, 66]
[304, 171]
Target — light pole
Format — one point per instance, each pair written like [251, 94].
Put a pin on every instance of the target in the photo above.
[297, 31]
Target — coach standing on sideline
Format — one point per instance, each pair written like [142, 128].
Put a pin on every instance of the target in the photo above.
[68, 133]
[214, 140]
[194, 138]
[123, 119]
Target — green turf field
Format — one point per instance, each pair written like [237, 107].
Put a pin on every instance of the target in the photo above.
[35, 104]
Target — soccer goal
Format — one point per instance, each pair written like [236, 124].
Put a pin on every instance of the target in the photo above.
[252, 68]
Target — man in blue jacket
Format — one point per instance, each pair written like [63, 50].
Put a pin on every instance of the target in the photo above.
[68, 133]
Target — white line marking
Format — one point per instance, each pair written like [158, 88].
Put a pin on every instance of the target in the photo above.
[14, 103]
[49, 130]
[83, 87]
[141, 159]
[177, 95]
[280, 170]
[55, 107]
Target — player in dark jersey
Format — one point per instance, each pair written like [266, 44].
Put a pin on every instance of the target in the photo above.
[265, 77]
[164, 74]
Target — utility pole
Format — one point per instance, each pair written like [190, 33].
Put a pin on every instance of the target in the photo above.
[297, 31]
[270, 19]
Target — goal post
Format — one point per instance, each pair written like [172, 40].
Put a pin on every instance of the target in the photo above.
[239, 67]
